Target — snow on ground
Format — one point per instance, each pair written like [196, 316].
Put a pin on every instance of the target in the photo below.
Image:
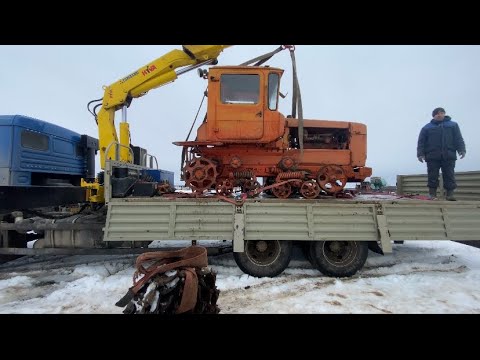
[419, 277]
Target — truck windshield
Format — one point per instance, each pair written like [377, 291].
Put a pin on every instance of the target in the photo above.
[240, 89]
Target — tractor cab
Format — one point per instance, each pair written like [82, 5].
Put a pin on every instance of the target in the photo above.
[243, 105]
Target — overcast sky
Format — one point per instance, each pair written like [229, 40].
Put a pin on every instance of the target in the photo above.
[391, 89]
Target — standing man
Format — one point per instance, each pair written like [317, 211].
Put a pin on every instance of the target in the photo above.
[438, 143]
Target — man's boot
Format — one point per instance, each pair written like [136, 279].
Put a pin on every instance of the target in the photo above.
[450, 196]
[432, 193]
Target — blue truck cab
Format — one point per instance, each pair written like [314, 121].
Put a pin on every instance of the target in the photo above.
[35, 152]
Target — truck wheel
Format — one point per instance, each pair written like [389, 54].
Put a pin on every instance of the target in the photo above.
[338, 258]
[264, 258]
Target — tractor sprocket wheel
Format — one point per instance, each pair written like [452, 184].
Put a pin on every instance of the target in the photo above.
[310, 189]
[287, 163]
[200, 174]
[332, 179]
[250, 186]
[225, 187]
[282, 191]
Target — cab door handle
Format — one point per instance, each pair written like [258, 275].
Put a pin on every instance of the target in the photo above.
[259, 114]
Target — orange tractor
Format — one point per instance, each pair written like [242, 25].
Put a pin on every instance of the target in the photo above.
[244, 138]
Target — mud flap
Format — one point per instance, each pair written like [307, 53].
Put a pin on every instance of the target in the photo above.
[373, 246]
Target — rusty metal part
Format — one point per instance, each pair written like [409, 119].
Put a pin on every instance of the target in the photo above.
[267, 188]
[332, 179]
[310, 189]
[179, 195]
[274, 171]
[250, 186]
[237, 202]
[287, 163]
[235, 162]
[218, 163]
[244, 174]
[291, 175]
[165, 188]
[200, 174]
[224, 187]
[173, 282]
[296, 183]
[282, 191]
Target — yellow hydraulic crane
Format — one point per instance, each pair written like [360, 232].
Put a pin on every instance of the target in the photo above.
[119, 95]
[155, 74]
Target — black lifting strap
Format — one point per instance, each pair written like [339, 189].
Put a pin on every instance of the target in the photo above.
[263, 58]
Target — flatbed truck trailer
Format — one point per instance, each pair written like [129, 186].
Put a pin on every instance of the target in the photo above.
[336, 234]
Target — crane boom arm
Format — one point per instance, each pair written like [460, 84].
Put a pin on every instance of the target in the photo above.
[155, 74]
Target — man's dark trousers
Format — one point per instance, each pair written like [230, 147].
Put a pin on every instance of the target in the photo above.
[448, 172]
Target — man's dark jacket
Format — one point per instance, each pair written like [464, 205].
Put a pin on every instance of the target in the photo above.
[440, 140]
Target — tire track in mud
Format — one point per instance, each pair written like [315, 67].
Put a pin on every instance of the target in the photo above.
[238, 300]
[64, 262]
[370, 273]
[233, 301]
[18, 294]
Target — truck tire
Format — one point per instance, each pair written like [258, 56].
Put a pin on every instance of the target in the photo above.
[338, 258]
[264, 258]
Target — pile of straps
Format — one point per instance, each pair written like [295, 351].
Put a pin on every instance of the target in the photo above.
[172, 282]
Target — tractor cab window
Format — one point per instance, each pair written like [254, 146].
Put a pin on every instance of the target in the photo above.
[240, 89]
[273, 83]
